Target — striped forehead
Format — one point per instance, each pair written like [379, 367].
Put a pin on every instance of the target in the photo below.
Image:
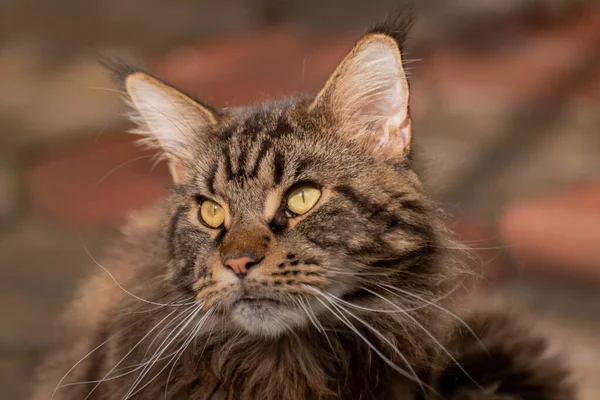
[252, 158]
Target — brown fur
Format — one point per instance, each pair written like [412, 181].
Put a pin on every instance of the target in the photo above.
[361, 283]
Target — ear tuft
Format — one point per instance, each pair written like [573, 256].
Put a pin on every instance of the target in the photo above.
[397, 25]
[119, 69]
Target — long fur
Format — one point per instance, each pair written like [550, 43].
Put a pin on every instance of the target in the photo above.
[355, 299]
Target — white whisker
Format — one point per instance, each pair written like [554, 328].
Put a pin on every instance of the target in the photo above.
[431, 336]
[121, 165]
[450, 313]
[121, 287]
[162, 348]
[129, 352]
[59, 385]
[320, 328]
[193, 334]
[346, 322]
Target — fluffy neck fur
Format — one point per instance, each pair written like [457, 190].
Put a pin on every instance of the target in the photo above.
[226, 363]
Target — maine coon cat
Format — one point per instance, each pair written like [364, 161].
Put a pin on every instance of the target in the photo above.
[296, 257]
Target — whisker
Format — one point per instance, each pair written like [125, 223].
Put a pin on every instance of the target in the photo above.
[205, 344]
[308, 315]
[191, 337]
[133, 368]
[396, 368]
[130, 351]
[60, 385]
[172, 302]
[105, 127]
[431, 336]
[411, 309]
[120, 286]
[469, 248]
[453, 315]
[121, 165]
[161, 349]
[107, 89]
[315, 321]
[338, 272]
[160, 332]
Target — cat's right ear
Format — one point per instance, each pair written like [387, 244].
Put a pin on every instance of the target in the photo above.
[367, 96]
[171, 120]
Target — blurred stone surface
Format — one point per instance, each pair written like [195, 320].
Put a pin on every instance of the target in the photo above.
[557, 235]
[483, 251]
[8, 196]
[42, 102]
[147, 25]
[40, 265]
[525, 69]
[16, 369]
[94, 183]
[245, 69]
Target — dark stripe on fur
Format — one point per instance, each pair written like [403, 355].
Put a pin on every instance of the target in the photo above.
[302, 166]
[228, 133]
[264, 148]
[241, 171]
[210, 180]
[279, 167]
[380, 214]
[356, 198]
[97, 358]
[413, 205]
[283, 128]
[254, 124]
[323, 243]
[394, 223]
[173, 229]
[406, 260]
[187, 271]
[219, 238]
[228, 167]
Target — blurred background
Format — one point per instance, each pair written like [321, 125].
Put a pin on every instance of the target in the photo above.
[505, 100]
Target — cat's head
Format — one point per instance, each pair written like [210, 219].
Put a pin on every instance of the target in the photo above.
[285, 213]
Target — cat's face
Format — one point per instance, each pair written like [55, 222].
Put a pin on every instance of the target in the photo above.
[274, 214]
[285, 212]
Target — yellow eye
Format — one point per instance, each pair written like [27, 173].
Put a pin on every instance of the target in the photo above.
[212, 214]
[302, 199]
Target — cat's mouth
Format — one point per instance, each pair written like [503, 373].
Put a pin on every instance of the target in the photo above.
[263, 315]
[257, 300]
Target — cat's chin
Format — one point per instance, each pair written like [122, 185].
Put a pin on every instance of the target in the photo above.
[266, 318]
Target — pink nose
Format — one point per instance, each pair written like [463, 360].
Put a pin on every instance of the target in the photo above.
[240, 265]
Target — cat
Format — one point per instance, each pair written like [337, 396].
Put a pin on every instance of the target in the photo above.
[296, 257]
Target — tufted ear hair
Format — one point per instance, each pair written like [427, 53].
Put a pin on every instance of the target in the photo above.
[368, 94]
[169, 119]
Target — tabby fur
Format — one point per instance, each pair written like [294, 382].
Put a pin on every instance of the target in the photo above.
[360, 288]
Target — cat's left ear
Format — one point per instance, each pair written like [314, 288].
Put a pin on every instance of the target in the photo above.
[173, 119]
[367, 96]
[168, 119]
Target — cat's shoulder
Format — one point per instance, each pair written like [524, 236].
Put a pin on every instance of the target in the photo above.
[500, 356]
